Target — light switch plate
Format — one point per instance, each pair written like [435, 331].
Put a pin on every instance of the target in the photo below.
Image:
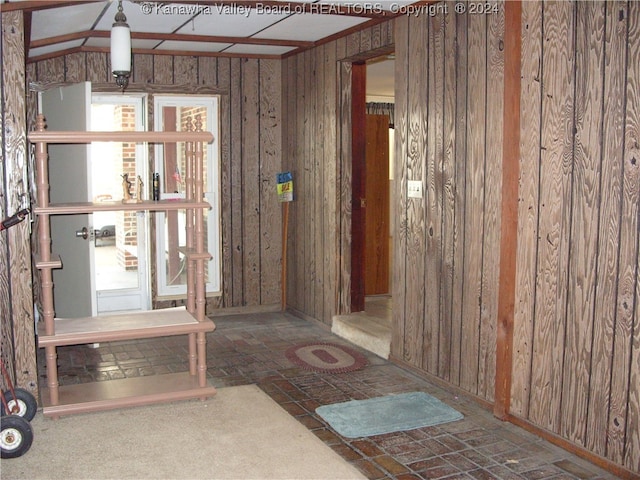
[414, 188]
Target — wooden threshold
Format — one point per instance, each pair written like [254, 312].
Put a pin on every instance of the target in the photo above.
[108, 328]
[127, 392]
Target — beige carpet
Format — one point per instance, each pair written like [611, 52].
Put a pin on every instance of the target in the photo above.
[240, 433]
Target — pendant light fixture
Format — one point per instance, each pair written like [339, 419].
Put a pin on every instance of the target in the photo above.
[121, 48]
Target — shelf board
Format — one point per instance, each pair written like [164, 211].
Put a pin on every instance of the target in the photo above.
[192, 254]
[108, 328]
[53, 262]
[126, 392]
[52, 136]
[90, 207]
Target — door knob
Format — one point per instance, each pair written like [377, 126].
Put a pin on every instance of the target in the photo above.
[84, 233]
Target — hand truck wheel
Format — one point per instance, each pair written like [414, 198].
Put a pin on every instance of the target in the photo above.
[20, 402]
[16, 436]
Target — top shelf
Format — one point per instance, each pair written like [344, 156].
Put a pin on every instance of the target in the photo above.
[148, 137]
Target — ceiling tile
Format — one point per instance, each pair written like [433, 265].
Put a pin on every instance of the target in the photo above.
[192, 46]
[61, 21]
[310, 27]
[240, 48]
[135, 43]
[150, 16]
[230, 24]
[36, 52]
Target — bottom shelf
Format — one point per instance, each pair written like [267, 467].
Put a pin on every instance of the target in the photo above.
[127, 392]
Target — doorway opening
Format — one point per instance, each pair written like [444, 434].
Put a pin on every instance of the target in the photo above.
[369, 324]
[121, 237]
[379, 139]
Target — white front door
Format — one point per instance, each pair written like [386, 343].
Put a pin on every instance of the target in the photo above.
[121, 254]
[67, 108]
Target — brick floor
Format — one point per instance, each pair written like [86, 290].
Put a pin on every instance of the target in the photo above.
[249, 349]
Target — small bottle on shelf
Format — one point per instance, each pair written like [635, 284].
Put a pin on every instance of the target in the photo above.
[156, 187]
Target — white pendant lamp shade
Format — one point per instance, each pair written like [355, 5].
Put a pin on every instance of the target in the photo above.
[121, 49]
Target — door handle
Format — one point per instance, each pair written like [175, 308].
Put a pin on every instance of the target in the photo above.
[84, 233]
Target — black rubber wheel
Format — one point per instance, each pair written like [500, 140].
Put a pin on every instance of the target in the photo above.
[16, 437]
[25, 401]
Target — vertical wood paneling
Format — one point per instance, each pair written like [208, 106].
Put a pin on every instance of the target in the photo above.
[299, 188]
[208, 69]
[352, 45]
[344, 186]
[492, 203]
[288, 140]
[433, 197]
[474, 201]
[17, 299]
[330, 178]
[317, 152]
[610, 189]
[448, 199]
[75, 67]
[270, 154]
[6, 321]
[288, 164]
[319, 98]
[376, 34]
[416, 162]
[236, 190]
[51, 69]
[584, 219]
[628, 320]
[251, 180]
[310, 185]
[459, 228]
[163, 69]
[366, 41]
[98, 68]
[448, 186]
[399, 278]
[251, 108]
[554, 211]
[530, 100]
[223, 80]
[185, 70]
[574, 337]
[577, 312]
[143, 68]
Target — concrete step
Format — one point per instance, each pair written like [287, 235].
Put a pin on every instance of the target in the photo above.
[371, 333]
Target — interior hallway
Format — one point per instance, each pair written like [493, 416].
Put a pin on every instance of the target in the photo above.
[248, 349]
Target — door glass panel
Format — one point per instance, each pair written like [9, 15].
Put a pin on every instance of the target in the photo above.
[116, 233]
[182, 114]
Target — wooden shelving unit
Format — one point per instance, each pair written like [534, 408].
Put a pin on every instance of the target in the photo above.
[190, 321]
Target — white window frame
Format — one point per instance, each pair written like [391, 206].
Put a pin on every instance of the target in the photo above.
[212, 193]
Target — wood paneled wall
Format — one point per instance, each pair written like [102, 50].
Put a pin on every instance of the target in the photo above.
[576, 355]
[576, 346]
[250, 151]
[449, 76]
[576, 369]
[16, 299]
[317, 150]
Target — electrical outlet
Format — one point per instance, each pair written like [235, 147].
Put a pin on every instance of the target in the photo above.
[414, 189]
